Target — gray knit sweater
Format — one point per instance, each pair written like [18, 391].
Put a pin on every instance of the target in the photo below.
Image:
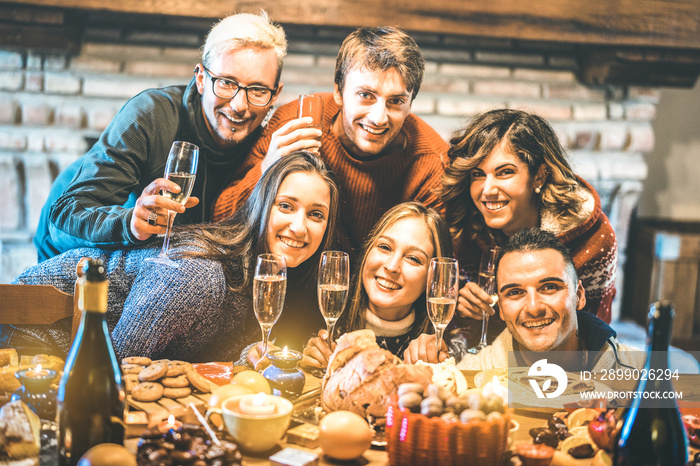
[185, 313]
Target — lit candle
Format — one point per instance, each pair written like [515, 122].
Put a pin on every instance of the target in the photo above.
[283, 374]
[171, 423]
[256, 405]
[37, 372]
[36, 390]
[495, 388]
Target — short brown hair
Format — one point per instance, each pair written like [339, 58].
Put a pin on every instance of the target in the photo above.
[381, 48]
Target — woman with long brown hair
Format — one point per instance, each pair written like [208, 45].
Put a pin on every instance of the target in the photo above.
[508, 171]
[202, 310]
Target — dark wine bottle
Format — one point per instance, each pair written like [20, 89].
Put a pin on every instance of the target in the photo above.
[91, 397]
[652, 433]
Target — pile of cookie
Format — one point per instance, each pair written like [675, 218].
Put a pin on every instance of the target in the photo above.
[147, 380]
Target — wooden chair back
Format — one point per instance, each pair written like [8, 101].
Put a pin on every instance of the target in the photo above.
[40, 304]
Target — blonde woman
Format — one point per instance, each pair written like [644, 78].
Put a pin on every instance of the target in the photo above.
[388, 287]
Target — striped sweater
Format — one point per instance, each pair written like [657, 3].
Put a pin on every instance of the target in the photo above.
[368, 188]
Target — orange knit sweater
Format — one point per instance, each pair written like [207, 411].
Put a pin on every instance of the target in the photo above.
[368, 188]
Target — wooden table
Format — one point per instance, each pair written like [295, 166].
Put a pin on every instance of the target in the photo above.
[525, 419]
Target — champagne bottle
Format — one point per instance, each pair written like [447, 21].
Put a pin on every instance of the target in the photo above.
[91, 396]
[652, 433]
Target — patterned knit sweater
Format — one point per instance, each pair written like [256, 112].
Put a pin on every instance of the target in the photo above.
[591, 241]
[185, 313]
[368, 188]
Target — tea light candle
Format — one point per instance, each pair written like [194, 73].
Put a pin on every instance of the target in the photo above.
[283, 355]
[36, 380]
[495, 388]
[286, 355]
[37, 372]
[256, 405]
[171, 423]
[36, 390]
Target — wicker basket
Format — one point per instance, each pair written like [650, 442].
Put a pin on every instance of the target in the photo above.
[414, 439]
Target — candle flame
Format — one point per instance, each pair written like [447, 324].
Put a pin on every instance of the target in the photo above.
[501, 390]
[285, 351]
[38, 368]
[259, 399]
[171, 420]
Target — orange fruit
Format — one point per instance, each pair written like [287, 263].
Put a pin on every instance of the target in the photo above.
[253, 380]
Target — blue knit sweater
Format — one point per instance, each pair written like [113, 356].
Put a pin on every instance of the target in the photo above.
[185, 313]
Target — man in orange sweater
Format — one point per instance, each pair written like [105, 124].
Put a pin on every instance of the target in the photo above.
[382, 154]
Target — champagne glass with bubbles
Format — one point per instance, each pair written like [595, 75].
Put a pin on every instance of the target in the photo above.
[269, 290]
[487, 282]
[180, 168]
[442, 292]
[333, 285]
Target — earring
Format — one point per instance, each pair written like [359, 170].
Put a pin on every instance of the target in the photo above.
[538, 189]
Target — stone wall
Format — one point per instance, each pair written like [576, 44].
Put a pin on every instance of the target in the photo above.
[51, 105]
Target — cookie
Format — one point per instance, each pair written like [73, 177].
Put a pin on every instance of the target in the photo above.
[155, 361]
[180, 381]
[176, 392]
[153, 372]
[198, 381]
[147, 391]
[176, 368]
[130, 381]
[132, 368]
[141, 361]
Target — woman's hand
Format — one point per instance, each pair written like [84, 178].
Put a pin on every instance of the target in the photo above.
[423, 349]
[473, 302]
[255, 358]
[317, 352]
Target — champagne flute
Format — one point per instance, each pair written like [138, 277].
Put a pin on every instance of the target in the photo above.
[487, 282]
[269, 290]
[180, 168]
[441, 293]
[333, 285]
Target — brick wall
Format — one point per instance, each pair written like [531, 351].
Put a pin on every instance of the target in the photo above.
[50, 104]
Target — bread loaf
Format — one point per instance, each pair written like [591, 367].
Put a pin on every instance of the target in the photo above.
[361, 377]
[20, 431]
[8, 357]
[8, 381]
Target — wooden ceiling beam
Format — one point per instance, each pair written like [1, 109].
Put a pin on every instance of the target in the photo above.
[658, 23]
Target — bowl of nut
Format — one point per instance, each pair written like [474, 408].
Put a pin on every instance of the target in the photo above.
[427, 425]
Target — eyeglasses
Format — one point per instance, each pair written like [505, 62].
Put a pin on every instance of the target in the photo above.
[227, 89]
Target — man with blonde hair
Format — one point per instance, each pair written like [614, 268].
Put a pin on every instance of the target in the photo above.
[381, 153]
[110, 198]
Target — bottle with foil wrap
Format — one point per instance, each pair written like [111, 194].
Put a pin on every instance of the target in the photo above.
[652, 433]
[91, 396]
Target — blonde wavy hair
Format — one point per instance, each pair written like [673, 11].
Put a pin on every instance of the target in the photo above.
[517, 132]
